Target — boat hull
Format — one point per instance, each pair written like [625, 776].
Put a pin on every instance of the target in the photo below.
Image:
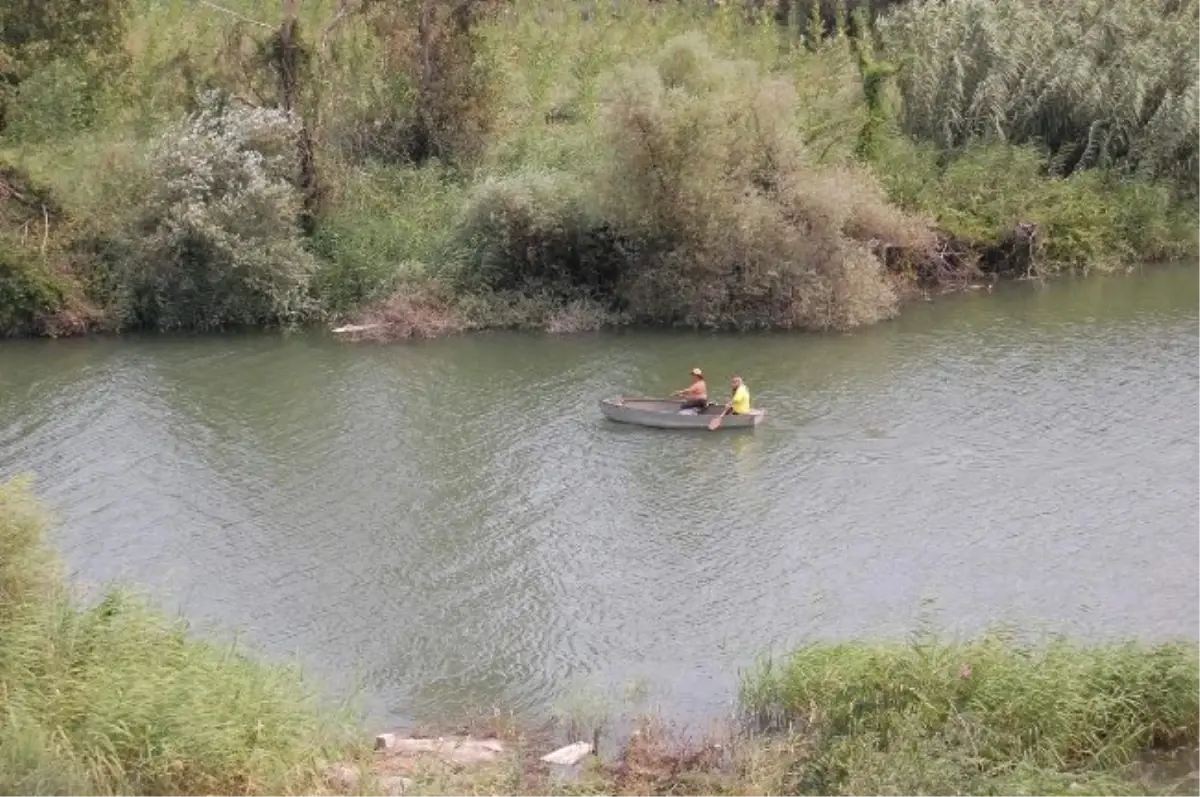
[664, 414]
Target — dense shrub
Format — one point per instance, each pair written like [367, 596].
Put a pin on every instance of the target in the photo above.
[61, 99]
[536, 232]
[216, 240]
[79, 39]
[384, 224]
[29, 292]
[704, 209]
[1091, 219]
[740, 227]
[40, 289]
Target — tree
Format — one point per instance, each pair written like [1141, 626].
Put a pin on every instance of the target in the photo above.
[34, 33]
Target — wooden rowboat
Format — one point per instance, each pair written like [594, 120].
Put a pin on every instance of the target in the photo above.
[666, 414]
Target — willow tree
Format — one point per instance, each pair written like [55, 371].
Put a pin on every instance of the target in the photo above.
[436, 96]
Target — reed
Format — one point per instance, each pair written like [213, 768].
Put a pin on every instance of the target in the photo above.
[1100, 83]
[990, 715]
[112, 697]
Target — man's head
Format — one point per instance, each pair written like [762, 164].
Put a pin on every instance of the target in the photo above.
[736, 382]
[697, 374]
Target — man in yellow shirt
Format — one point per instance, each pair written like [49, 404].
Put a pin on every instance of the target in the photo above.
[739, 404]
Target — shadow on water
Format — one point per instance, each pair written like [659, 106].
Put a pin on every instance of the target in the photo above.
[456, 524]
[1177, 772]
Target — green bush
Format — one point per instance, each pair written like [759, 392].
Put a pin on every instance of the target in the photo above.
[383, 224]
[54, 54]
[431, 92]
[1092, 219]
[29, 290]
[535, 233]
[58, 101]
[215, 241]
[700, 207]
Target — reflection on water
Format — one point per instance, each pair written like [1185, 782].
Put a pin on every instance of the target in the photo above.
[454, 524]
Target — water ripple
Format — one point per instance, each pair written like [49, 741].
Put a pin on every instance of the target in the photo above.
[454, 525]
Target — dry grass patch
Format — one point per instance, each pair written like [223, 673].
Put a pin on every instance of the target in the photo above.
[414, 311]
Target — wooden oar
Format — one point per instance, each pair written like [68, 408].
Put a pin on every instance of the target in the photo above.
[715, 422]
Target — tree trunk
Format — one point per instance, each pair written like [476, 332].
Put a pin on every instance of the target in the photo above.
[288, 63]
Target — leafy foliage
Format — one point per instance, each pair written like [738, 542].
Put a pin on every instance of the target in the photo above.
[215, 241]
[83, 37]
[435, 96]
[707, 209]
[36, 30]
[536, 231]
[1089, 220]
[28, 291]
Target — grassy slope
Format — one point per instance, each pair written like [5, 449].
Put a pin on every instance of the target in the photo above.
[115, 698]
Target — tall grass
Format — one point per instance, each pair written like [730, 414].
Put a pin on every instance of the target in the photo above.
[985, 716]
[114, 698]
[1108, 83]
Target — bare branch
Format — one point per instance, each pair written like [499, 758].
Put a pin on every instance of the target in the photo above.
[235, 14]
[345, 8]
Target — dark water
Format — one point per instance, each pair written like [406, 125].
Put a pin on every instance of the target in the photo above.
[453, 525]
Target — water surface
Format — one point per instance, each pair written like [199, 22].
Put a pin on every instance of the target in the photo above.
[454, 525]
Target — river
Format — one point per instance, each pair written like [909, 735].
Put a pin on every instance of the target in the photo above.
[452, 525]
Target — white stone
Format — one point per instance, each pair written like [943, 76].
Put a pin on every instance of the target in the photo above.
[395, 784]
[343, 777]
[355, 328]
[570, 755]
[457, 749]
[385, 741]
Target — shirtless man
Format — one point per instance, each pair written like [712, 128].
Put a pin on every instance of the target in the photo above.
[695, 397]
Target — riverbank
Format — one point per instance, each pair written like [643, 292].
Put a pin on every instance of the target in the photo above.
[111, 697]
[538, 165]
